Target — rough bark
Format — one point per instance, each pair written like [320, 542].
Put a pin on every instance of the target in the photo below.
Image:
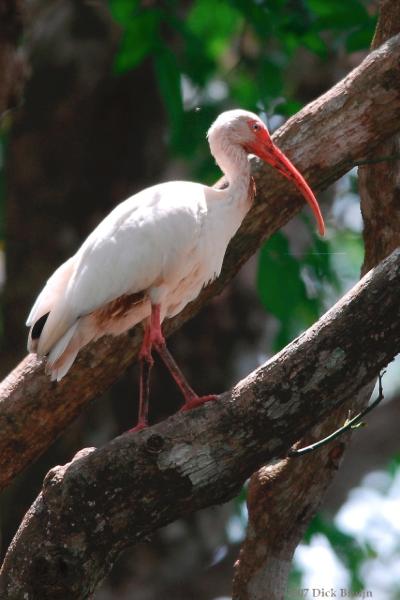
[109, 498]
[379, 183]
[12, 66]
[350, 120]
[266, 555]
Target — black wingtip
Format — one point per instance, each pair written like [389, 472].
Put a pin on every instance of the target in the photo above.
[38, 327]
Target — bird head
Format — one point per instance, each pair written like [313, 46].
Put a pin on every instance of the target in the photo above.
[245, 129]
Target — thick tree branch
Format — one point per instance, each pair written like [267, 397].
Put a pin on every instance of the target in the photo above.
[107, 499]
[378, 183]
[323, 140]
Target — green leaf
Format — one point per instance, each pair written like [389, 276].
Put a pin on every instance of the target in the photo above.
[347, 252]
[319, 259]
[193, 143]
[361, 38]
[195, 59]
[313, 42]
[352, 553]
[257, 14]
[215, 26]
[270, 80]
[139, 39]
[169, 81]
[288, 108]
[244, 89]
[394, 466]
[332, 14]
[282, 290]
[123, 10]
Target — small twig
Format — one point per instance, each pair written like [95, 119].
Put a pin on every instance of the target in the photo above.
[353, 423]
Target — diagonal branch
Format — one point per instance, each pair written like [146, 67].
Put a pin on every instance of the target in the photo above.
[323, 140]
[106, 499]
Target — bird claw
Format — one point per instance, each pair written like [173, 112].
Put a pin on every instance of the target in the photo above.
[197, 401]
[137, 428]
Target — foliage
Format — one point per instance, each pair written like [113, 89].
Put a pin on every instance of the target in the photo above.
[298, 300]
[236, 55]
[363, 536]
[352, 554]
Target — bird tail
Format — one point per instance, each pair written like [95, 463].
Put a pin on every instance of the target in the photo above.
[62, 355]
[57, 323]
[52, 292]
[61, 367]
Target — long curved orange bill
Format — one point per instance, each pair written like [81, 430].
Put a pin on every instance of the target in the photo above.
[271, 154]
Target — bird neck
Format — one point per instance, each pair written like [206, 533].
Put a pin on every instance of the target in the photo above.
[233, 161]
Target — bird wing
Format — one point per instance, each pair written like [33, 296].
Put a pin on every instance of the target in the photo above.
[54, 287]
[142, 239]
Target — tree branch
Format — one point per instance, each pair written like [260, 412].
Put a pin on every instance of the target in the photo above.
[106, 499]
[323, 140]
[378, 183]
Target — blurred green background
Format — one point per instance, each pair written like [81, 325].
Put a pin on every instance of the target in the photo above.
[120, 96]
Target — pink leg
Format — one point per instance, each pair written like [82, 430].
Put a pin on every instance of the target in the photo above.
[153, 336]
[192, 400]
[146, 363]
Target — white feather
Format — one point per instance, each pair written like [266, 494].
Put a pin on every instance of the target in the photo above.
[138, 244]
[153, 241]
[51, 291]
[59, 348]
[58, 374]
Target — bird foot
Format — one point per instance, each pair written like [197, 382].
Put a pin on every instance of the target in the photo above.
[138, 427]
[197, 401]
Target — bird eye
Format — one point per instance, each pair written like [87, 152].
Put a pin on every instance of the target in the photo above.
[256, 127]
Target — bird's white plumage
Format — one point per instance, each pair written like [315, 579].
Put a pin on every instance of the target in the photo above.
[136, 245]
[54, 287]
[165, 243]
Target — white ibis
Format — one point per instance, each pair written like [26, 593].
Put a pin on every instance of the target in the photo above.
[152, 255]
